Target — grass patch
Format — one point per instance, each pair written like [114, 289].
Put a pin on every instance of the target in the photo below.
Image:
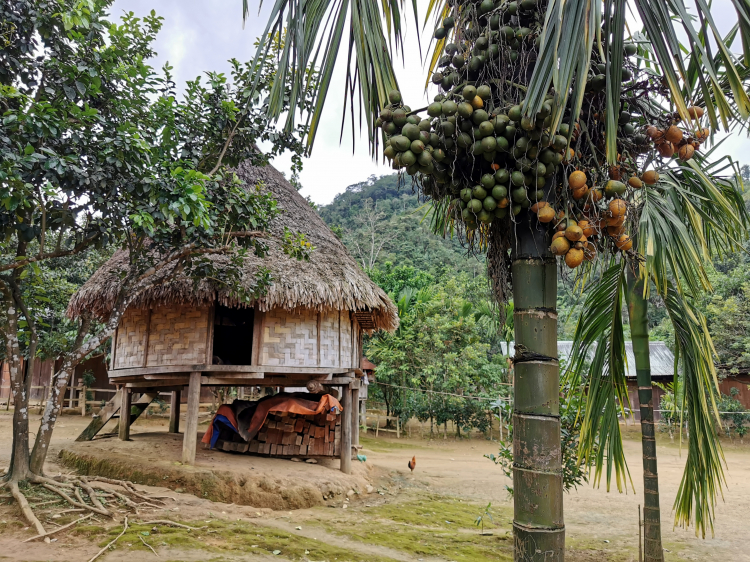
[434, 526]
[226, 537]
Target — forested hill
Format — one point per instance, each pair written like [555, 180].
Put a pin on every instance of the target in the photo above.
[381, 223]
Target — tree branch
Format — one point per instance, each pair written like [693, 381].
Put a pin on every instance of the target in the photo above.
[49, 255]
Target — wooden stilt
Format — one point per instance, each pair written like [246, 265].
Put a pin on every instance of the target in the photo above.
[190, 441]
[355, 416]
[363, 414]
[346, 431]
[174, 412]
[124, 425]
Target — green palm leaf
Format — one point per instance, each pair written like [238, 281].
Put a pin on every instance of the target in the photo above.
[703, 476]
[315, 34]
[600, 331]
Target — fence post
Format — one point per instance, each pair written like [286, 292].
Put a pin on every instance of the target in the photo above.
[82, 400]
[398, 427]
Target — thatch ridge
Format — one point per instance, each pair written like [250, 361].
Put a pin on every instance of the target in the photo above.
[330, 280]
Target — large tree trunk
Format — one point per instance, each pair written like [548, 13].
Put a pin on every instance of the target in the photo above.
[51, 413]
[638, 313]
[538, 527]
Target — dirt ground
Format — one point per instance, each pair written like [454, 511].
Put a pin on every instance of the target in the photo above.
[295, 511]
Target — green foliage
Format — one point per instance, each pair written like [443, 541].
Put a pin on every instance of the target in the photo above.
[733, 414]
[439, 355]
[401, 227]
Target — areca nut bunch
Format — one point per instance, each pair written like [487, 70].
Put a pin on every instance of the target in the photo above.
[474, 150]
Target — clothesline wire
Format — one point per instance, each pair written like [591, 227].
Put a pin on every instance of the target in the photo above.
[444, 393]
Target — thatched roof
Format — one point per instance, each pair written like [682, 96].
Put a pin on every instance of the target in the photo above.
[330, 280]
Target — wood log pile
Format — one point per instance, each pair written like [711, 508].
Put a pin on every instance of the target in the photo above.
[285, 434]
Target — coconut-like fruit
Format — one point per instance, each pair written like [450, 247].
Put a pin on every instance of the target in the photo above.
[618, 208]
[666, 149]
[650, 177]
[695, 112]
[686, 152]
[580, 193]
[587, 228]
[624, 242]
[589, 252]
[674, 134]
[558, 234]
[574, 258]
[539, 205]
[616, 230]
[573, 232]
[477, 102]
[546, 214]
[577, 179]
[559, 246]
[394, 96]
[635, 182]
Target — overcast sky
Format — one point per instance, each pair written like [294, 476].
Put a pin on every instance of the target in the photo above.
[201, 35]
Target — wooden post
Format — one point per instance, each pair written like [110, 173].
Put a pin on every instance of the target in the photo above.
[174, 412]
[346, 431]
[82, 400]
[190, 441]
[124, 425]
[363, 414]
[355, 416]
[398, 427]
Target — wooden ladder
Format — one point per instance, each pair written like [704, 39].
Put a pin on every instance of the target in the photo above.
[111, 410]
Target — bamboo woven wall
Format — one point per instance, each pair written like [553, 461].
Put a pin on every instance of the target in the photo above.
[132, 338]
[329, 338]
[290, 339]
[346, 339]
[178, 335]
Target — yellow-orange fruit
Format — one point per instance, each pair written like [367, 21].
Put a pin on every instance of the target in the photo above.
[558, 234]
[666, 149]
[703, 134]
[589, 252]
[616, 230]
[650, 177]
[559, 246]
[673, 134]
[686, 152]
[635, 182]
[653, 131]
[595, 195]
[546, 214]
[618, 208]
[587, 228]
[695, 112]
[536, 206]
[476, 102]
[614, 171]
[580, 193]
[569, 155]
[504, 202]
[615, 221]
[577, 179]
[495, 167]
[574, 258]
[624, 242]
[573, 232]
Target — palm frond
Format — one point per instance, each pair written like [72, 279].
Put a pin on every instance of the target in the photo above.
[315, 34]
[704, 474]
[600, 332]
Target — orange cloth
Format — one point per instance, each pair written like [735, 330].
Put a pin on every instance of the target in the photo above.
[224, 410]
[280, 403]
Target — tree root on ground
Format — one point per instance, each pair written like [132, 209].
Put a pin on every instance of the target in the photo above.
[113, 541]
[82, 495]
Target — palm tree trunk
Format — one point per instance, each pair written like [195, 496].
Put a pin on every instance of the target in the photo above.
[538, 527]
[638, 313]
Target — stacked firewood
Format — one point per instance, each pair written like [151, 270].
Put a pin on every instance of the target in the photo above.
[287, 434]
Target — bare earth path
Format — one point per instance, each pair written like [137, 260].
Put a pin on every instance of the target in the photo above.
[425, 516]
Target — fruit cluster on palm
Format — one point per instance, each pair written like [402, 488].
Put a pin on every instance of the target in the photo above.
[554, 135]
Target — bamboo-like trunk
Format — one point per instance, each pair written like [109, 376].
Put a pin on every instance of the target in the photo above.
[538, 527]
[638, 314]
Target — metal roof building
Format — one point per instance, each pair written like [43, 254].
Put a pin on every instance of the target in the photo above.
[662, 358]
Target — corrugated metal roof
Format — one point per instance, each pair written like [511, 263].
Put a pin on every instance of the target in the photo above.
[662, 359]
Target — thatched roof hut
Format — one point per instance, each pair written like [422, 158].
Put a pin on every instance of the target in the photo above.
[330, 280]
[305, 331]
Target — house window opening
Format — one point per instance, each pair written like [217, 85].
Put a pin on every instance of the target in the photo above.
[233, 336]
